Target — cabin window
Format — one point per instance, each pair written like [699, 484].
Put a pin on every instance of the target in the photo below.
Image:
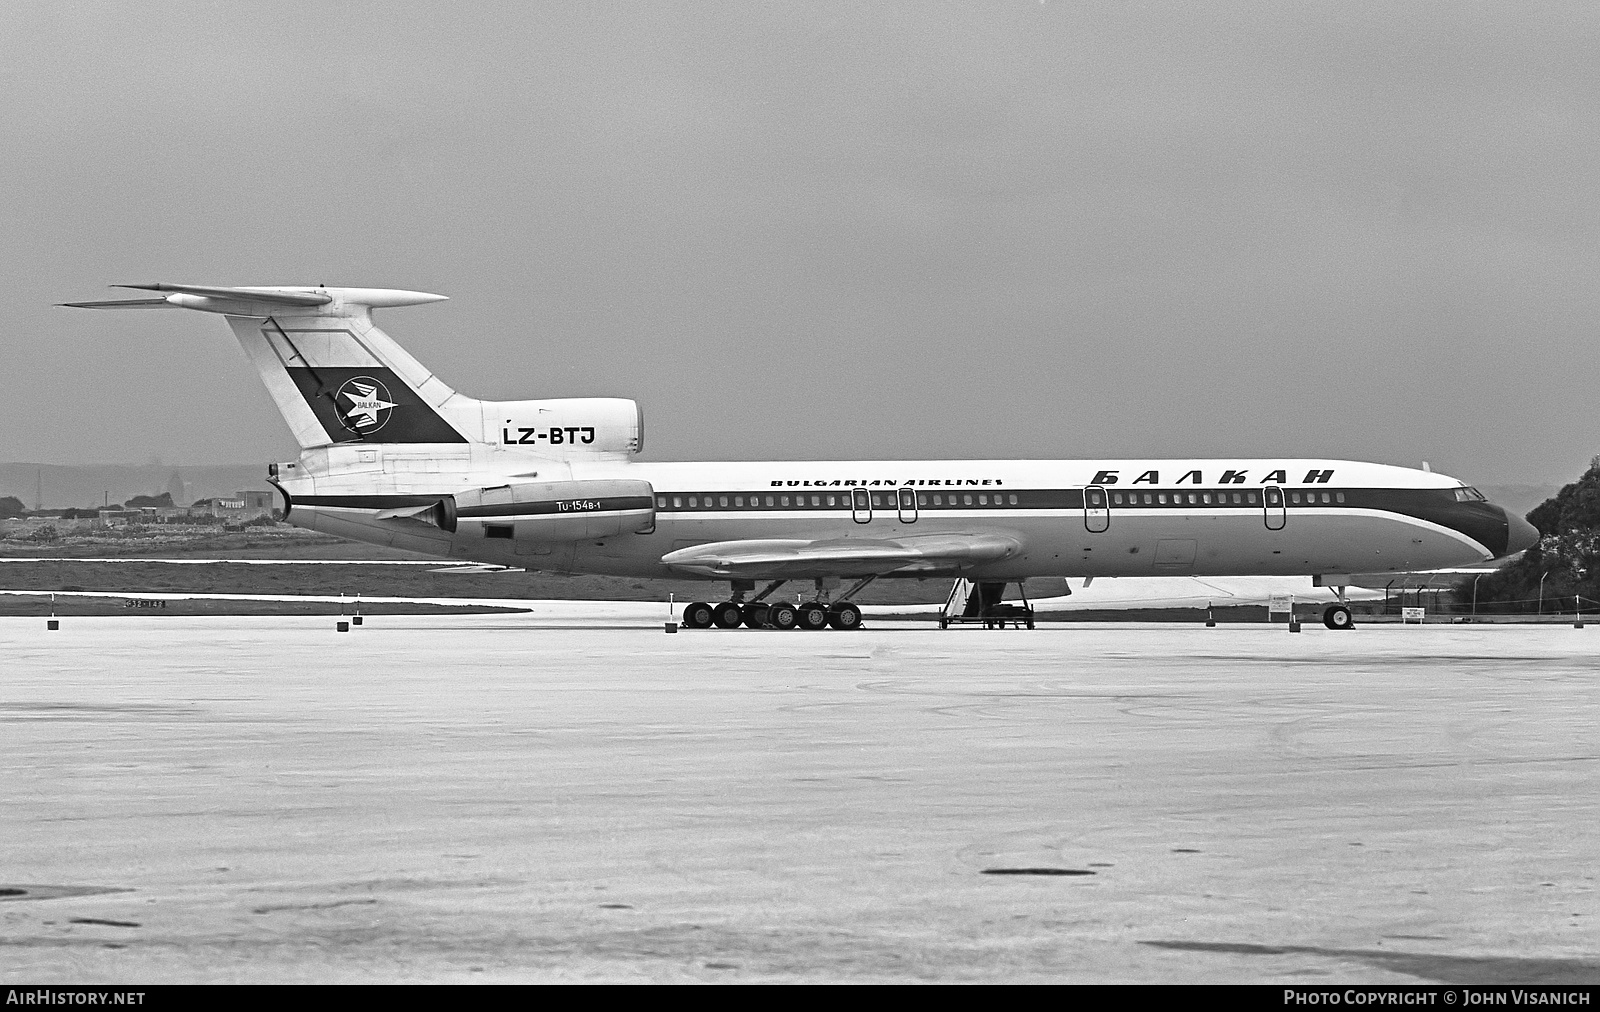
[677, 502]
[1162, 498]
[983, 500]
[1326, 497]
[497, 531]
[922, 499]
[1341, 496]
[783, 500]
[1116, 498]
[661, 502]
[966, 500]
[1013, 500]
[1294, 497]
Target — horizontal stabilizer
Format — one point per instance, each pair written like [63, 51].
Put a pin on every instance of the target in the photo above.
[121, 304]
[277, 296]
[266, 301]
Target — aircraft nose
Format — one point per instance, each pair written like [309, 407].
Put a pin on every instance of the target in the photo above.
[1520, 535]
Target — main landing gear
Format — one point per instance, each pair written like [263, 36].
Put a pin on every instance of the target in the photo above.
[758, 613]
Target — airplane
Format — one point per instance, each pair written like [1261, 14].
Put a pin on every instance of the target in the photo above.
[391, 455]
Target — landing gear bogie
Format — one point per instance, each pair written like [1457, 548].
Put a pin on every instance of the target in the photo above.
[1337, 616]
[816, 613]
[844, 616]
[783, 615]
[812, 615]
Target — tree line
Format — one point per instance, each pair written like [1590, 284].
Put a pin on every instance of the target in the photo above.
[12, 508]
[1565, 562]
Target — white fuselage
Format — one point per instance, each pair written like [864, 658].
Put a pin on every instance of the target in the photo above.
[1186, 517]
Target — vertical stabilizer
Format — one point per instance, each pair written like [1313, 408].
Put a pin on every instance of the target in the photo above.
[339, 379]
[334, 375]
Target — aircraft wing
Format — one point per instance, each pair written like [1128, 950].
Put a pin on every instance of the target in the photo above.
[783, 558]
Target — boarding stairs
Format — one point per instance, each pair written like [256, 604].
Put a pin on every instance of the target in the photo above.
[972, 603]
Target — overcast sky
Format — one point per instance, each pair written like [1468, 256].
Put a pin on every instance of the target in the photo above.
[831, 231]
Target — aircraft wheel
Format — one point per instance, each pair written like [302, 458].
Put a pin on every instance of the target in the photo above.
[727, 615]
[697, 616]
[844, 616]
[782, 615]
[813, 615]
[755, 616]
[1338, 617]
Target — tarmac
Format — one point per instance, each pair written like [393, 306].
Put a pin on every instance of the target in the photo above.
[573, 795]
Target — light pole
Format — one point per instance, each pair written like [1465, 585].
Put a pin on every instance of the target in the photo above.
[1541, 591]
[1475, 580]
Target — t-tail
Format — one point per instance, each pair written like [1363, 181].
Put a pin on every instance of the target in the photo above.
[338, 379]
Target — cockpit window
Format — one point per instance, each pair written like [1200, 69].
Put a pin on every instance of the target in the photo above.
[1470, 495]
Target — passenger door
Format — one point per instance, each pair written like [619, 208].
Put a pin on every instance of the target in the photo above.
[1096, 509]
[1276, 511]
[860, 506]
[907, 501]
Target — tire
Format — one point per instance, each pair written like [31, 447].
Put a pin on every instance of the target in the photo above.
[755, 616]
[1338, 617]
[727, 615]
[697, 616]
[844, 616]
[782, 615]
[813, 615]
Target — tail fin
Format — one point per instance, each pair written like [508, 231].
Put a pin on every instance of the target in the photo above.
[335, 376]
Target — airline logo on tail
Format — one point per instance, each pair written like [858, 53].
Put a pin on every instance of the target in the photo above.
[364, 404]
[369, 402]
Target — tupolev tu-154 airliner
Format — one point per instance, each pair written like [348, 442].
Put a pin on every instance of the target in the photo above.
[392, 456]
